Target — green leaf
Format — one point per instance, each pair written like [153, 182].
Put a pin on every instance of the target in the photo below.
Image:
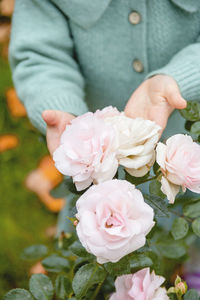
[70, 186]
[139, 261]
[63, 287]
[119, 268]
[155, 189]
[196, 226]
[172, 296]
[136, 180]
[158, 204]
[55, 263]
[195, 129]
[79, 250]
[34, 252]
[192, 111]
[64, 241]
[156, 168]
[192, 210]
[180, 228]
[190, 239]
[59, 191]
[191, 295]
[86, 277]
[18, 294]
[171, 249]
[128, 264]
[188, 125]
[41, 287]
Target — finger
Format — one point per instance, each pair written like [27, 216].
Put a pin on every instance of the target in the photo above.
[175, 99]
[53, 139]
[51, 117]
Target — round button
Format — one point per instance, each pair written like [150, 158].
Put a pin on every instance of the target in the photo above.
[138, 66]
[134, 17]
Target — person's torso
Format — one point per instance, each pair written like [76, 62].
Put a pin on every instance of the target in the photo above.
[118, 42]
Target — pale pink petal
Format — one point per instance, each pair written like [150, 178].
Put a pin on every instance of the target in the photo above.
[113, 220]
[140, 286]
[161, 152]
[88, 149]
[161, 294]
[169, 189]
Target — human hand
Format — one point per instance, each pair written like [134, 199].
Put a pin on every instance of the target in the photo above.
[155, 99]
[56, 123]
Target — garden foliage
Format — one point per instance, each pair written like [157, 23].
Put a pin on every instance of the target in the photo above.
[76, 272]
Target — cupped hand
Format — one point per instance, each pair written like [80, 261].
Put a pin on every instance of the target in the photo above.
[155, 99]
[56, 123]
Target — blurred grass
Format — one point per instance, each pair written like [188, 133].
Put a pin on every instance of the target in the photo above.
[23, 219]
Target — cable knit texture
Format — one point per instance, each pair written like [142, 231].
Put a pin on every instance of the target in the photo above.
[75, 55]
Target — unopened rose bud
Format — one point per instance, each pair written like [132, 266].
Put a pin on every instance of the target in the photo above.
[75, 223]
[181, 288]
[178, 280]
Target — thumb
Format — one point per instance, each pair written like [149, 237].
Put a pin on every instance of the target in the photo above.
[174, 98]
[51, 117]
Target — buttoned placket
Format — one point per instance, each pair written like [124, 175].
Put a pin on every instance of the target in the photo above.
[137, 19]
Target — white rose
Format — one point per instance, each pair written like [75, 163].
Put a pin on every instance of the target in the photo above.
[137, 139]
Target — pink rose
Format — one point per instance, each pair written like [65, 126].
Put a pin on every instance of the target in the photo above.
[107, 112]
[140, 286]
[179, 160]
[113, 220]
[87, 151]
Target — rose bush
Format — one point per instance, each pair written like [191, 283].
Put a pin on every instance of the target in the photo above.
[113, 220]
[179, 160]
[142, 285]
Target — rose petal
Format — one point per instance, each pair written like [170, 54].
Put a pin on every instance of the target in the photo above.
[169, 189]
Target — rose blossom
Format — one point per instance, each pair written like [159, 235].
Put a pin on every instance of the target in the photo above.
[179, 160]
[140, 286]
[107, 112]
[113, 220]
[87, 151]
[137, 139]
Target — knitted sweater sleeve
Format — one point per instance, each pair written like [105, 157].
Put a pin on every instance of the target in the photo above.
[184, 67]
[41, 55]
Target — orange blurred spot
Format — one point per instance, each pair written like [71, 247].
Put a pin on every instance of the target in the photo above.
[7, 7]
[49, 171]
[37, 269]
[4, 32]
[15, 106]
[43, 180]
[8, 142]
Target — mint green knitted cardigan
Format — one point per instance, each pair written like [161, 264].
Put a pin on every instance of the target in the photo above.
[77, 55]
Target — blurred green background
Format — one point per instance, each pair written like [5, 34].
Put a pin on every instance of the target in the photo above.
[23, 218]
